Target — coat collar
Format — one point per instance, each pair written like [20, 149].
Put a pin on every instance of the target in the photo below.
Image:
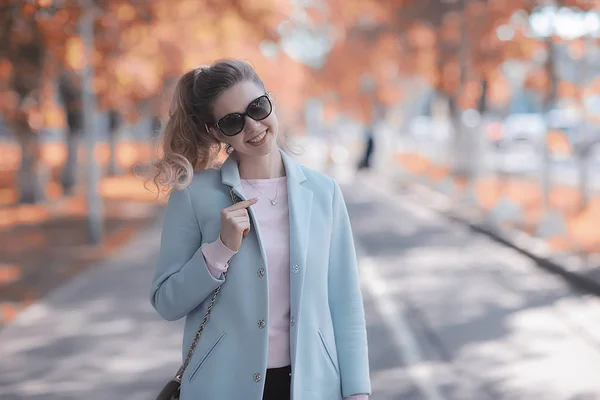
[230, 173]
[300, 200]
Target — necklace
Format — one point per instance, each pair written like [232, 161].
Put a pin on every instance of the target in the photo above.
[272, 200]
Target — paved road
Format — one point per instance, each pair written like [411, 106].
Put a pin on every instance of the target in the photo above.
[451, 315]
[464, 317]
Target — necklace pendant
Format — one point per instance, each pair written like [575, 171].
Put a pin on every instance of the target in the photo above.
[273, 202]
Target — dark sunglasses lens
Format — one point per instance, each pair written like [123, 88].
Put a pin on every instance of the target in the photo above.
[260, 108]
[231, 124]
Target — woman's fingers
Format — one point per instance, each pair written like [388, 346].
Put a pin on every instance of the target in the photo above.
[242, 204]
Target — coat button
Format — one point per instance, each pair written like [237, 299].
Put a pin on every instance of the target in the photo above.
[296, 268]
[292, 322]
[257, 377]
[261, 323]
[260, 272]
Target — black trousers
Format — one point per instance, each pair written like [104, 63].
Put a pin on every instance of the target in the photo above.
[277, 384]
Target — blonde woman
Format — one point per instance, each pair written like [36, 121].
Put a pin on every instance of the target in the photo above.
[288, 322]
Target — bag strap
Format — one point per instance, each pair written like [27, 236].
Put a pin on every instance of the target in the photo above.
[190, 353]
[235, 199]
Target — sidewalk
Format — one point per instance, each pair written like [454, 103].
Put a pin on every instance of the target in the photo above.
[44, 245]
[481, 320]
[96, 337]
[495, 218]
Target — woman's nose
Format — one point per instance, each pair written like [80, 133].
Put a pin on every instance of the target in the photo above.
[251, 123]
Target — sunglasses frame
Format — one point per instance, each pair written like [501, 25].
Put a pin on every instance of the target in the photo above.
[244, 114]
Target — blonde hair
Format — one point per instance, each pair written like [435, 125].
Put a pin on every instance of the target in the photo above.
[185, 144]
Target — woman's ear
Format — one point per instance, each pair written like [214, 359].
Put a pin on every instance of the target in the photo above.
[211, 130]
[215, 133]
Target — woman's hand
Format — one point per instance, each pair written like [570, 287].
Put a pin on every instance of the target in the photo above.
[235, 224]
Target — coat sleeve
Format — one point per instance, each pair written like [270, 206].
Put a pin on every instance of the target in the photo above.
[346, 303]
[181, 279]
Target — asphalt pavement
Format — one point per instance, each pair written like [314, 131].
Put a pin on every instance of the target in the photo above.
[451, 315]
[467, 317]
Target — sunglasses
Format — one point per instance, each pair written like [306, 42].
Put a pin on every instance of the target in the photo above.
[258, 109]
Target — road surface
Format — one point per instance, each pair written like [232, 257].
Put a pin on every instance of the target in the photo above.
[451, 315]
[454, 315]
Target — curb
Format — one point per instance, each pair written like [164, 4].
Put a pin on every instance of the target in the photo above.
[563, 265]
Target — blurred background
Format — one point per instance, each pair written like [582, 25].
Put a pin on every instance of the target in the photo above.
[485, 112]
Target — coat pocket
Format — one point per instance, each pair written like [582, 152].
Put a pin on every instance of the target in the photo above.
[327, 352]
[206, 356]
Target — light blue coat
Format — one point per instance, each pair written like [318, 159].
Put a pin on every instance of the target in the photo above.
[327, 325]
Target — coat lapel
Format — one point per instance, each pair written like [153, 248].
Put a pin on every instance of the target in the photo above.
[230, 176]
[300, 205]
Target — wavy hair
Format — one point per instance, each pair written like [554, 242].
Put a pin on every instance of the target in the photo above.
[185, 144]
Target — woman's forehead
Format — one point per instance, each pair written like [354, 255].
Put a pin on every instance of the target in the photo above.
[236, 98]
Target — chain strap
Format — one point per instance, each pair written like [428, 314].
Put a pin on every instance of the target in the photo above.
[190, 353]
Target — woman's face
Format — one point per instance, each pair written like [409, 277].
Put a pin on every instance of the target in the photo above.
[257, 138]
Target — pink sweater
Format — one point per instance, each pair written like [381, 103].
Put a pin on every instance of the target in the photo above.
[275, 236]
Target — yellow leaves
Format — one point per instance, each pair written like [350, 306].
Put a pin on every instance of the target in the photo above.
[124, 78]
[126, 12]
[100, 84]
[132, 36]
[5, 69]
[470, 94]
[61, 17]
[193, 59]
[187, 8]
[53, 116]
[229, 24]
[422, 36]
[558, 143]
[9, 101]
[476, 9]
[451, 28]
[388, 94]
[28, 9]
[35, 119]
[74, 56]
[577, 47]
[568, 89]
[132, 57]
[137, 76]
[451, 76]
[349, 12]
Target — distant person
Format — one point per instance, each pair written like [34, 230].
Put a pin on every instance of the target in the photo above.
[365, 162]
[263, 244]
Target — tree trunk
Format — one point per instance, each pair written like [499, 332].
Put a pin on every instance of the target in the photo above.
[458, 163]
[462, 157]
[72, 103]
[113, 166]
[482, 103]
[94, 200]
[548, 104]
[32, 177]
[70, 170]
[585, 145]
[114, 128]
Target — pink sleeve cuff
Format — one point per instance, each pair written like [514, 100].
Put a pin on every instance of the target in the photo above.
[217, 255]
[358, 397]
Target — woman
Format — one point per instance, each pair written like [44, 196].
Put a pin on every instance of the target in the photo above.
[289, 319]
